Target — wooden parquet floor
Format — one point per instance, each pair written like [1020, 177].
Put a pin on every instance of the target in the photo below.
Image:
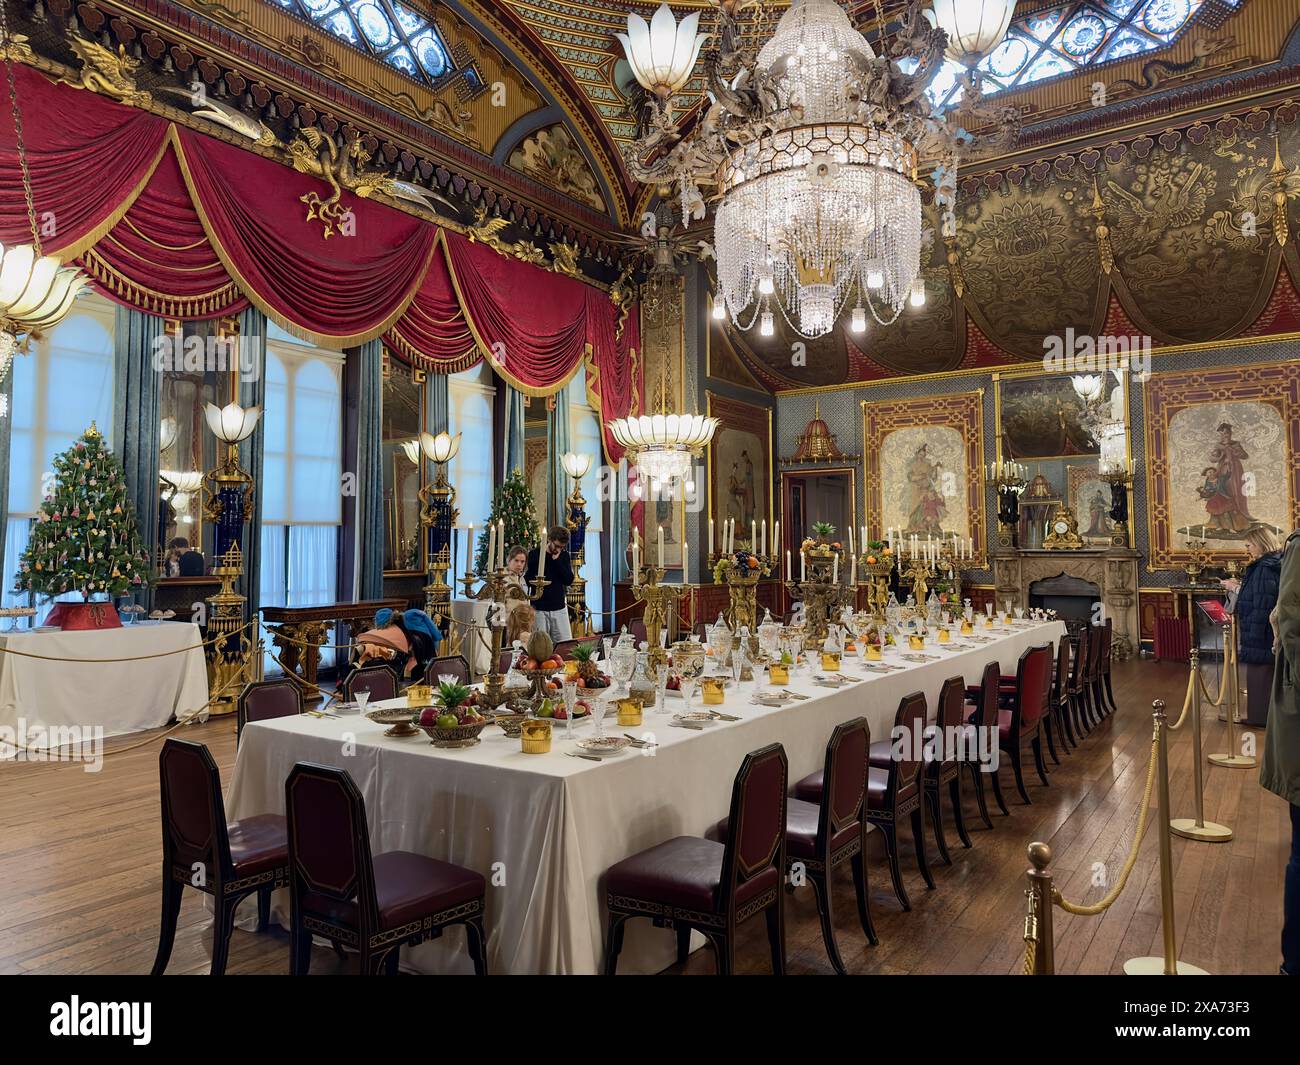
[80, 857]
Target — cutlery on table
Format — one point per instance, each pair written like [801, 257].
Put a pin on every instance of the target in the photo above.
[684, 724]
[638, 742]
[795, 695]
[583, 754]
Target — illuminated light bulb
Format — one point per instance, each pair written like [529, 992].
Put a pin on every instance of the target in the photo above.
[765, 285]
[917, 298]
[719, 309]
[875, 276]
[765, 326]
[858, 323]
[689, 485]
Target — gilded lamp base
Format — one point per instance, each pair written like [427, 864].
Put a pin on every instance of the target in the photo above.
[1206, 831]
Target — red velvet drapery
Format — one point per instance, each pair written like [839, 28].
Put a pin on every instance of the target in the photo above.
[174, 222]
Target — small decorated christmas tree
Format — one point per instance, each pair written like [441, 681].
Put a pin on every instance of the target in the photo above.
[513, 504]
[85, 538]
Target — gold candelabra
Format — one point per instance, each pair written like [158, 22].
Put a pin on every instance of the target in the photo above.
[1199, 561]
[657, 599]
[438, 515]
[576, 466]
[495, 582]
[819, 590]
[742, 590]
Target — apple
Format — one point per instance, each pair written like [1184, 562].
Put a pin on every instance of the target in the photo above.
[447, 720]
[561, 714]
[675, 683]
[428, 715]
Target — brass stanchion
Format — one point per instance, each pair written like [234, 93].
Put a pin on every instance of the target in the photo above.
[1197, 827]
[1040, 959]
[1230, 758]
[1168, 965]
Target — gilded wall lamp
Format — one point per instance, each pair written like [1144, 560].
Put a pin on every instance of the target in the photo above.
[577, 465]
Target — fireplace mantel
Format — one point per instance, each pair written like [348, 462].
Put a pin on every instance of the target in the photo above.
[1112, 569]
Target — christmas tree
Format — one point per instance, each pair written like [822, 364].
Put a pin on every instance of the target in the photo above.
[85, 538]
[513, 504]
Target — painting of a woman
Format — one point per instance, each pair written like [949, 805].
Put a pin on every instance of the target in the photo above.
[1223, 490]
[925, 505]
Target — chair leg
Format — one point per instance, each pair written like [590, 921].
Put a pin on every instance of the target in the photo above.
[263, 908]
[918, 838]
[889, 833]
[724, 952]
[1110, 693]
[776, 933]
[996, 778]
[1039, 764]
[822, 892]
[300, 951]
[958, 816]
[390, 961]
[613, 942]
[859, 864]
[172, 890]
[1018, 769]
[1067, 726]
[338, 949]
[936, 815]
[1099, 698]
[476, 941]
[683, 942]
[1051, 743]
[978, 777]
[223, 924]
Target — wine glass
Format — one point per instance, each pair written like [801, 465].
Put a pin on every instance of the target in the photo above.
[361, 698]
[569, 689]
[661, 690]
[607, 645]
[737, 661]
[688, 689]
[599, 708]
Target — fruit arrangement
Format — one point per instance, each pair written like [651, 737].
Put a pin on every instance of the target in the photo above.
[556, 710]
[454, 720]
[588, 675]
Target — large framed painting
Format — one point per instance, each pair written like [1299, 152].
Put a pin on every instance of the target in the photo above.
[923, 466]
[1038, 416]
[1089, 497]
[1223, 457]
[740, 466]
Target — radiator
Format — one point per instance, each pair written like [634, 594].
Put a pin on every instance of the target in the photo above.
[1171, 639]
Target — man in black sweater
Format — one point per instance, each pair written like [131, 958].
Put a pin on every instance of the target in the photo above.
[552, 606]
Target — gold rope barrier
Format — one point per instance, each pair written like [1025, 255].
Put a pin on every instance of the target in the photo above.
[1105, 903]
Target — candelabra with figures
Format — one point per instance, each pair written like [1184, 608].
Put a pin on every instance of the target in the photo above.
[1010, 479]
[494, 585]
[741, 569]
[438, 514]
[227, 503]
[818, 586]
[1119, 475]
[657, 599]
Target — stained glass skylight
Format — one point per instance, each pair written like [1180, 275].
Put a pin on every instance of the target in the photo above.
[387, 29]
[1065, 39]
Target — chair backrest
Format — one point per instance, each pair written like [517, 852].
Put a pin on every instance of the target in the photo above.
[844, 776]
[907, 740]
[637, 628]
[193, 813]
[379, 681]
[990, 684]
[1061, 678]
[756, 840]
[1033, 678]
[948, 718]
[1095, 638]
[1107, 636]
[1079, 668]
[565, 647]
[329, 840]
[448, 665]
[264, 699]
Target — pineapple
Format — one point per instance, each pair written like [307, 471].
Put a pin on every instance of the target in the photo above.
[583, 654]
[451, 695]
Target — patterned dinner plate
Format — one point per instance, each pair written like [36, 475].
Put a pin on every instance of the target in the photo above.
[605, 746]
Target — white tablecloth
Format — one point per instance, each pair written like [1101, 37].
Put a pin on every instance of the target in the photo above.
[473, 646]
[554, 823]
[120, 697]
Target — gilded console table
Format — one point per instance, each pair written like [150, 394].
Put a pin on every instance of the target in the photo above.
[299, 632]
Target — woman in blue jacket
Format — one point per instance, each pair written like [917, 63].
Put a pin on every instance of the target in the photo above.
[1256, 598]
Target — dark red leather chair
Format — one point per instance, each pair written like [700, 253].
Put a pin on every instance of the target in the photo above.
[1103, 696]
[374, 904]
[982, 713]
[819, 839]
[690, 883]
[379, 681]
[1059, 700]
[448, 665]
[893, 793]
[228, 861]
[504, 662]
[265, 699]
[946, 770]
[1023, 714]
[1078, 680]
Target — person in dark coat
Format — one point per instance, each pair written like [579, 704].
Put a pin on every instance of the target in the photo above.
[1256, 596]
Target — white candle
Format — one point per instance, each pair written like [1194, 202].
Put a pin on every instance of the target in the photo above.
[541, 551]
[788, 571]
[492, 546]
[753, 536]
[835, 570]
[853, 571]
[501, 544]
[686, 560]
[803, 564]
[713, 544]
[661, 547]
[762, 539]
[776, 538]
[469, 550]
[852, 548]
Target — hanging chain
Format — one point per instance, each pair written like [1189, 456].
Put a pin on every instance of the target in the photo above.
[5, 41]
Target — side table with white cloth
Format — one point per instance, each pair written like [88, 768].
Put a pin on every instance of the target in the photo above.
[476, 640]
[90, 678]
[542, 829]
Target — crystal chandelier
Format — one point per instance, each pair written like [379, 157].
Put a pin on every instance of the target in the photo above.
[813, 143]
[36, 291]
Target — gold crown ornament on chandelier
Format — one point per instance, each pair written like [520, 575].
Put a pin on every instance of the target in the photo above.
[36, 290]
[813, 142]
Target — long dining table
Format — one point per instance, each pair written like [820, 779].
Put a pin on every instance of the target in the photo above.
[543, 828]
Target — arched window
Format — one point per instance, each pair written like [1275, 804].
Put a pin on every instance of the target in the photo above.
[59, 388]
